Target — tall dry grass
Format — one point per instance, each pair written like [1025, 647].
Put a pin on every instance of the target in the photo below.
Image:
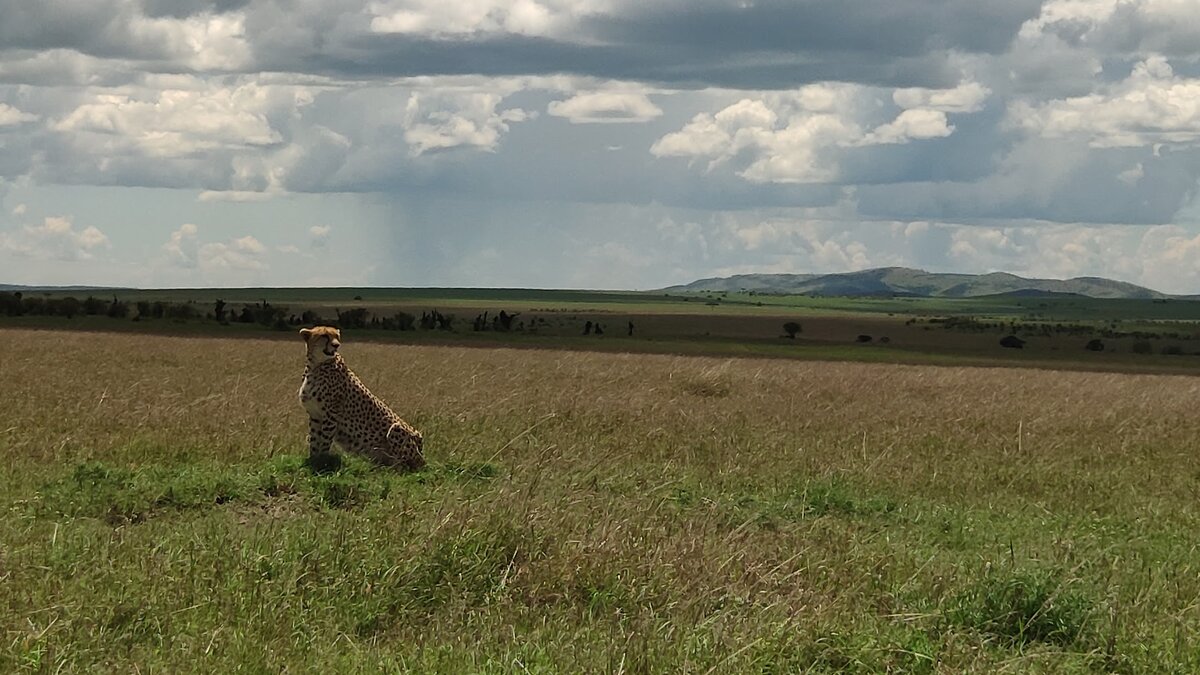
[593, 512]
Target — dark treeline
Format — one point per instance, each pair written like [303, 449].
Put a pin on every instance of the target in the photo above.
[263, 313]
[1047, 329]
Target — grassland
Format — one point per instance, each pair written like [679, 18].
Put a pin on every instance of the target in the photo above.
[592, 512]
[1149, 336]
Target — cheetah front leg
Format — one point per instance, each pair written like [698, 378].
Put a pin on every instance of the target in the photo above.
[320, 436]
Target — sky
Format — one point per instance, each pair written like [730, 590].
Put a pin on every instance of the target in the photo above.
[615, 144]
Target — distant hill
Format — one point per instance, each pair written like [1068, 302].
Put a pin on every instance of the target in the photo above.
[11, 288]
[903, 281]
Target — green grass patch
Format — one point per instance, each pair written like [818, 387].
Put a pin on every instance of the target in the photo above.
[121, 494]
[814, 498]
[1025, 605]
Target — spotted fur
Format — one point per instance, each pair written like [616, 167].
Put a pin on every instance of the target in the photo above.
[341, 409]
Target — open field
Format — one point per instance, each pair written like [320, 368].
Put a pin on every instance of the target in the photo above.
[592, 512]
[1159, 336]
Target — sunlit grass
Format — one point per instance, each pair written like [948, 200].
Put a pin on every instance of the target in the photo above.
[592, 512]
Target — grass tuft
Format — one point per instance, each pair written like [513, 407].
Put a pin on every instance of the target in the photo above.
[1021, 606]
[708, 383]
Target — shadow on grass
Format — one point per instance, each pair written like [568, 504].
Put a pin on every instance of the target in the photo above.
[118, 494]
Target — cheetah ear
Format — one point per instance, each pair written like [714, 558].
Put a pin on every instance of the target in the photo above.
[306, 333]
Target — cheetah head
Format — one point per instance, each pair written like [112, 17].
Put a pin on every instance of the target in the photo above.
[322, 342]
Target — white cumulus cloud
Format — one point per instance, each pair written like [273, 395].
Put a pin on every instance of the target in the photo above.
[443, 120]
[1152, 105]
[912, 124]
[320, 235]
[796, 137]
[605, 107]
[55, 239]
[10, 116]
[173, 122]
[965, 98]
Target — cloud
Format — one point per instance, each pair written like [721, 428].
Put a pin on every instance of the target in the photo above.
[320, 235]
[185, 250]
[1133, 174]
[10, 116]
[19, 210]
[248, 245]
[234, 196]
[55, 239]
[965, 98]
[770, 44]
[217, 257]
[799, 137]
[1143, 27]
[472, 17]
[119, 29]
[785, 140]
[852, 117]
[440, 121]
[605, 107]
[1152, 105]
[911, 124]
[182, 248]
[172, 121]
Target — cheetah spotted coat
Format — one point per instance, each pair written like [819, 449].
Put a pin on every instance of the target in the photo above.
[341, 409]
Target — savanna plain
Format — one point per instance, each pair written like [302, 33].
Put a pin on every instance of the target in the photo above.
[591, 512]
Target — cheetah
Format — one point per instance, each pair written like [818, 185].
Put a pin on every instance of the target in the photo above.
[341, 409]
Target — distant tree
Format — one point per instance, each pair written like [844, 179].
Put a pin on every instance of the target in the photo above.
[791, 328]
[405, 321]
[33, 305]
[587, 328]
[219, 311]
[143, 309]
[1094, 346]
[93, 305]
[1012, 342]
[118, 309]
[69, 307]
[863, 338]
[10, 303]
[598, 330]
[353, 318]
[504, 320]
[630, 329]
[885, 340]
[182, 311]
